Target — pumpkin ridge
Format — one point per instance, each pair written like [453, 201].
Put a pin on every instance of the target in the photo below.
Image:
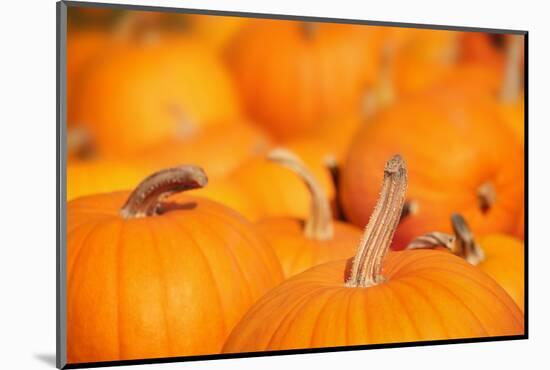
[71, 228]
[118, 263]
[317, 320]
[297, 304]
[456, 298]
[206, 263]
[292, 316]
[236, 229]
[96, 225]
[405, 309]
[164, 295]
[419, 292]
[486, 288]
[350, 293]
[229, 248]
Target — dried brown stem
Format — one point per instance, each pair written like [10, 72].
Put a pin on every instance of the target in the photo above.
[433, 240]
[487, 196]
[466, 245]
[367, 265]
[147, 198]
[318, 226]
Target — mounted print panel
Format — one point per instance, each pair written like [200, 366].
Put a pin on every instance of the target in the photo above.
[237, 184]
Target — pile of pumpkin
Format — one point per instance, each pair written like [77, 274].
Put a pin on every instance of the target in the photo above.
[240, 185]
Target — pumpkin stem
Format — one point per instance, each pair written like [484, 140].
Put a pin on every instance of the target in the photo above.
[319, 224]
[309, 29]
[331, 163]
[466, 245]
[433, 240]
[367, 265]
[512, 75]
[487, 196]
[410, 208]
[146, 199]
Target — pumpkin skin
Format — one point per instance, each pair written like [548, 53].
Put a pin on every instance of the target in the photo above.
[513, 114]
[479, 48]
[219, 148]
[82, 49]
[520, 230]
[215, 30]
[167, 285]
[258, 188]
[428, 295]
[297, 252]
[440, 131]
[504, 262]
[86, 177]
[423, 58]
[310, 71]
[141, 94]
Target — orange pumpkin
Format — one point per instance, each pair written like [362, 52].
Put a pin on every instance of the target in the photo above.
[259, 188]
[83, 48]
[301, 244]
[219, 148]
[511, 94]
[520, 231]
[499, 255]
[461, 160]
[86, 177]
[423, 59]
[481, 48]
[145, 92]
[215, 31]
[295, 74]
[149, 278]
[400, 297]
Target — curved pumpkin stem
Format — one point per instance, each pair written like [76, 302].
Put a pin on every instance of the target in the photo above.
[319, 224]
[487, 196]
[331, 164]
[512, 74]
[146, 199]
[367, 265]
[463, 245]
[466, 244]
[433, 240]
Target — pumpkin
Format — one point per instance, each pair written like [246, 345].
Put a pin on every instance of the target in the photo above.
[425, 58]
[86, 177]
[301, 244]
[461, 160]
[481, 48]
[520, 230]
[215, 31]
[499, 255]
[149, 277]
[379, 297]
[295, 74]
[219, 148]
[83, 47]
[148, 91]
[511, 95]
[259, 188]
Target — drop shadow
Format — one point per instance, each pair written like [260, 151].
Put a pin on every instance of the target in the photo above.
[47, 358]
